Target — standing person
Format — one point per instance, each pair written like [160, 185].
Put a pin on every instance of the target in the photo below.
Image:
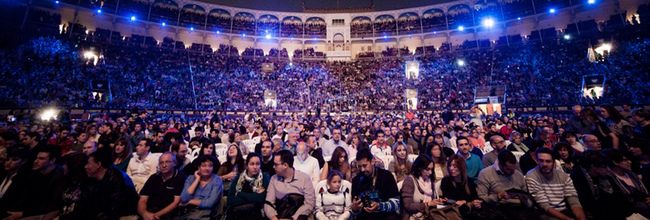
[160, 195]
[202, 191]
[374, 190]
[291, 193]
[475, 114]
[552, 189]
[333, 197]
[248, 191]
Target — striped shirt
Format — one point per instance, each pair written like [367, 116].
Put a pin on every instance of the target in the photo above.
[554, 193]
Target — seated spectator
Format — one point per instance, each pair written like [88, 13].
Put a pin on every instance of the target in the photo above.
[41, 197]
[307, 164]
[499, 144]
[202, 191]
[474, 164]
[248, 192]
[204, 150]
[439, 159]
[89, 147]
[161, 193]
[380, 147]
[266, 153]
[76, 186]
[591, 142]
[292, 142]
[330, 145]
[565, 156]
[182, 157]
[198, 136]
[338, 162]
[112, 194]
[374, 190]
[233, 165]
[314, 151]
[14, 178]
[588, 177]
[122, 154]
[629, 193]
[333, 196]
[571, 139]
[143, 164]
[291, 193]
[516, 143]
[503, 186]
[552, 189]
[400, 166]
[419, 194]
[459, 187]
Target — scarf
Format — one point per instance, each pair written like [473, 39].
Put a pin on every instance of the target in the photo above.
[426, 187]
[256, 182]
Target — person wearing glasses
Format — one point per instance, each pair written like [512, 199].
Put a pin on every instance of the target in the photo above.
[499, 144]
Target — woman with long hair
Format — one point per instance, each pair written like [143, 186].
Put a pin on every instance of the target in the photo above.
[247, 192]
[122, 154]
[458, 187]
[419, 194]
[338, 162]
[615, 121]
[436, 154]
[233, 165]
[400, 166]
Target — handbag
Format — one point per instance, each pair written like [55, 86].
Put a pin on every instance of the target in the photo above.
[288, 205]
[449, 212]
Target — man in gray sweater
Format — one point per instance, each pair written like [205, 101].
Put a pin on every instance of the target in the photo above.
[503, 186]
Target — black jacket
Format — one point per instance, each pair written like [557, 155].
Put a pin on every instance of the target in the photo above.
[112, 197]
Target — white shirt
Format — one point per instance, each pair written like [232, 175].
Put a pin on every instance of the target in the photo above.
[333, 205]
[141, 170]
[329, 147]
[380, 151]
[309, 166]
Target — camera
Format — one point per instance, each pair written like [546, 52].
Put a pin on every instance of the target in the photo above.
[368, 197]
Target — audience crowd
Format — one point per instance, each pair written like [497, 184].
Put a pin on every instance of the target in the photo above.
[590, 164]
